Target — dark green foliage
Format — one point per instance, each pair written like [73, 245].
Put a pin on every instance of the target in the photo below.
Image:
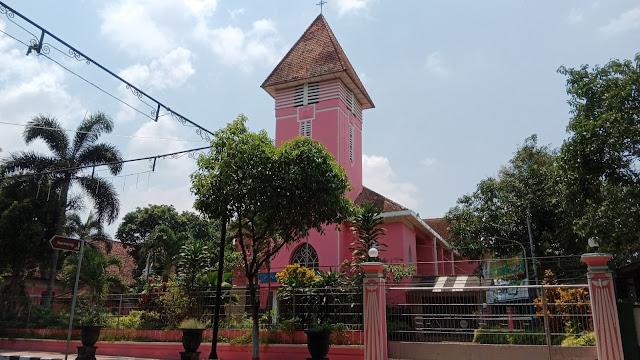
[138, 226]
[490, 335]
[274, 195]
[600, 160]
[27, 223]
[526, 189]
[367, 225]
[69, 155]
[94, 272]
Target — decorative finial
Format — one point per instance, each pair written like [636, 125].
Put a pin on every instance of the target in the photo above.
[322, 2]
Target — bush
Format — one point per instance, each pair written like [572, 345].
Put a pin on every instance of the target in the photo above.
[490, 335]
[538, 338]
[133, 321]
[241, 340]
[586, 339]
[46, 318]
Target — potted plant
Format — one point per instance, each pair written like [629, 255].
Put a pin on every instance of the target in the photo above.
[89, 316]
[192, 330]
[318, 338]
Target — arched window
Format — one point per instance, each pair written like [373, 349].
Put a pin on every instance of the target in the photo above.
[305, 255]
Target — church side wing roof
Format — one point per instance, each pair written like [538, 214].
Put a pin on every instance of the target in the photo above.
[439, 225]
[316, 55]
[368, 196]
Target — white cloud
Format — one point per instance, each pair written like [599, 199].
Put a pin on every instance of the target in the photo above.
[429, 162]
[627, 21]
[575, 16]
[235, 13]
[202, 7]
[244, 49]
[169, 71]
[378, 175]
[147, 28]
[352, 6]
[29, 86]
[435, 65]
[130, 25]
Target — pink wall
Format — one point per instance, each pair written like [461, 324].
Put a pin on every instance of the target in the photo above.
[330, 125]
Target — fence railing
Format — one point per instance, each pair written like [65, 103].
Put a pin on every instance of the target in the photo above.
[518, 315]
[164, 308]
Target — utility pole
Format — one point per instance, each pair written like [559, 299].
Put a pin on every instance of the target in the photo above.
[533, 250]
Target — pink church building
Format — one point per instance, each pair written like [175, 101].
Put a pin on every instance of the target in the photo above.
[318, 94]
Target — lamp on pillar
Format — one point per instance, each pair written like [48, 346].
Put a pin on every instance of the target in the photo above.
[373, 253]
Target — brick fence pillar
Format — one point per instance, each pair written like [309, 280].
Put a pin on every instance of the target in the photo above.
[603, 307]
[375, 311]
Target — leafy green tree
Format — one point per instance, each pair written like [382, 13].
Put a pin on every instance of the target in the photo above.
[67, 156]
[26, 225]
[273, 195]
[137, 225]
[600, 161]
[526, 190]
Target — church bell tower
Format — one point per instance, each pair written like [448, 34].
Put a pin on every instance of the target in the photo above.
[319, 95]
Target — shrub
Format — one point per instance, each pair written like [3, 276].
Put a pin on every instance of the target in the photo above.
[242, 339]
[490, 335]
[586, 339]
[46, 318]
[517, 338]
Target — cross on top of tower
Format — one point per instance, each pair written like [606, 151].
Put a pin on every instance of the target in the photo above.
[321, 3]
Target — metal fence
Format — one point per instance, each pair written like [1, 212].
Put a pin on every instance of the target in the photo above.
[164, 308]
[518, 315]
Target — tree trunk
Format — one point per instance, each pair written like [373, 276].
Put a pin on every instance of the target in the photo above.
[255, 331]
[59, 229]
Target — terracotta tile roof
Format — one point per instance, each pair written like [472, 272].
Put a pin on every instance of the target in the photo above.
[317, 53]
[368, 196]
[439, 225]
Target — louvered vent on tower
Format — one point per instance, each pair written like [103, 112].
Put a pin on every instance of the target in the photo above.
[305, 128]
[351, 152]
[306, 94]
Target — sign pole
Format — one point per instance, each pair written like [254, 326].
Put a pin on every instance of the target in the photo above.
[73, 300]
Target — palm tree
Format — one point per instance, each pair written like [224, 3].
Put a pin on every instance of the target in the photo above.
[90, 230]
[68, 155]
[94, 272]
[164, 246]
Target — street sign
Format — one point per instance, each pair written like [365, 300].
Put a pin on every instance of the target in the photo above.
[64, 243]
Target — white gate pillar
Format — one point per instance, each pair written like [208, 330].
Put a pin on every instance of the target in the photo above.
[375, 311]
[603, 307]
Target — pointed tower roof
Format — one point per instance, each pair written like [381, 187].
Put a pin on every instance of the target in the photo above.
[316, 56]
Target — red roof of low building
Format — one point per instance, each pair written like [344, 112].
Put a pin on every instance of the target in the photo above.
[368, 196]
[439, 225]
[316, 55]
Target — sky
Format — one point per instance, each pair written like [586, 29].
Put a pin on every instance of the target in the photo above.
[457, 86]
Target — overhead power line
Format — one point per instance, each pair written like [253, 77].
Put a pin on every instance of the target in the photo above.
[42, 48]
[102, 134]
[173, 155]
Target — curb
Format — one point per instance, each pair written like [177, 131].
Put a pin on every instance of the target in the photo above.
[23, 357]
